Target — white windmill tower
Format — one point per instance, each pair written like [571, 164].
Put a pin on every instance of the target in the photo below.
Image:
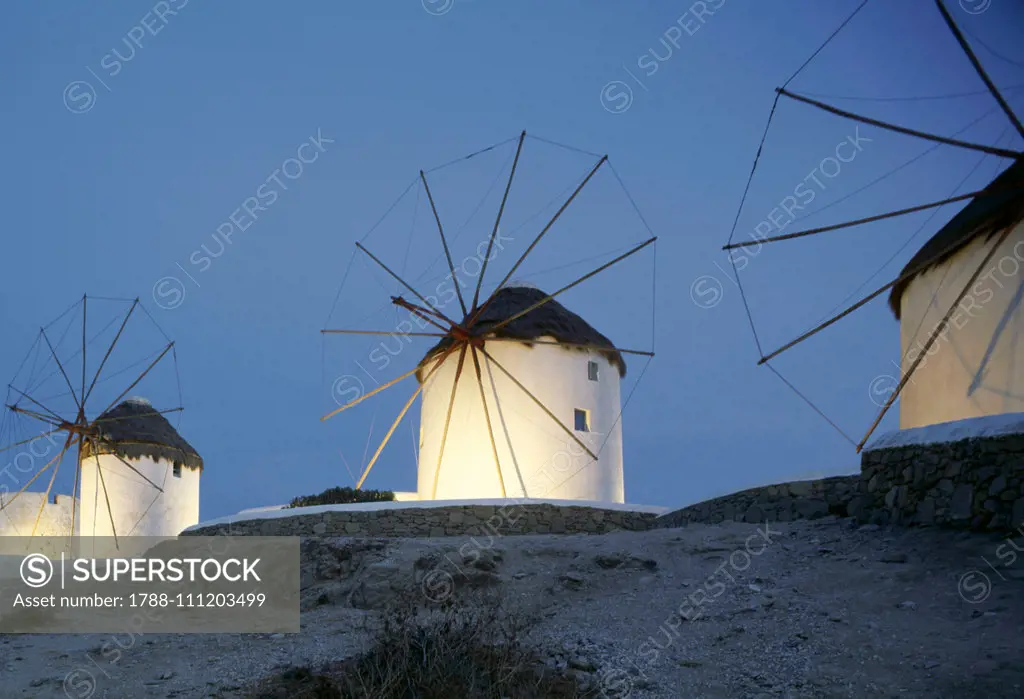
[521, 397]
[138, 447]
[547, 360]
[136, 474]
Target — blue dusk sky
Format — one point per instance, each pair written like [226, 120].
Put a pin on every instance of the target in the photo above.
[218, 160]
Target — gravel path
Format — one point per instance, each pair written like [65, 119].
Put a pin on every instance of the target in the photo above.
[803, 609]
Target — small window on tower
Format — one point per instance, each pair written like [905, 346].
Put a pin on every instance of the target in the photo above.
[592, 371]
[582, 420]
[176, 471]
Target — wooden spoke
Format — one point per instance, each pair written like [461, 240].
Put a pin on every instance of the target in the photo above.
[84, 340]
[869, 219]
[398, 300]
[49, 486]
[74, 490]
[536, 400]
[374, 392]
[565, 288]
[497, 221]
[1001, 152]
[381, 332]
[106, 496]
[141, 376]
[540, 235]
[448, 420]
[574, 345]
[423, 313]
[981, 71]
[508, 437]
[30, 440]
[38, 416]
[144, 513]
[424, 316]
[487, 418]
[110, 349]
[39, 473]
[401, 415]
[110, 446]
[504, 427]
[935, 335]
[907, 274]
[34, 402]
[444, 243]
[63, 373]
[406, 285]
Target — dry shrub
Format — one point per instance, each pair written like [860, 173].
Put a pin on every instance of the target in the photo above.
[469, 649]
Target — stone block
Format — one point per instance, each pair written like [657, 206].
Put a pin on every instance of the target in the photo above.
[985, 474]
[960, 503]
[810, 508]
[926, 512]
[1017, 514]
[800, 488]
[997, 486]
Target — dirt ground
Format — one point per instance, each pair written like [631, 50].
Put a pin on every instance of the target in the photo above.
[804, 609]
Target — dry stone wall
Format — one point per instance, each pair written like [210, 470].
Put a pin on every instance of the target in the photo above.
[976, 483]
[481, 520]
[782, 502]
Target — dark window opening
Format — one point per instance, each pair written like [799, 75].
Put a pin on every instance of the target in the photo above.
[582, 420]
[592, 371]
[176, 471]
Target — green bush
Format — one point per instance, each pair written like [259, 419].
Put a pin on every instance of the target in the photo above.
[342, 496]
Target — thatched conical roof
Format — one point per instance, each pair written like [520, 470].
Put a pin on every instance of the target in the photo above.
[550, 320]
[135, 429]
[985, 215]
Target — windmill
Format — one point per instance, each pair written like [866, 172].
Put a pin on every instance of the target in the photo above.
[1002, 199]
[488, 413]
[55, 390]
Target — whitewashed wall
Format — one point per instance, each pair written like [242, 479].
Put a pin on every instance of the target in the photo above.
[139, 508]
[976, 367]
[538, 459]
[18, 518]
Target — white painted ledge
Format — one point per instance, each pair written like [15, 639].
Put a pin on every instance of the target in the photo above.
[970, 428]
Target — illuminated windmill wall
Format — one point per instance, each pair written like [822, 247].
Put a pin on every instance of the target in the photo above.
[976, 368]
[135, 433]
[579, 386]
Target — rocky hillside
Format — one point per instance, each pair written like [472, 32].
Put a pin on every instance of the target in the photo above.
[822, 608]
